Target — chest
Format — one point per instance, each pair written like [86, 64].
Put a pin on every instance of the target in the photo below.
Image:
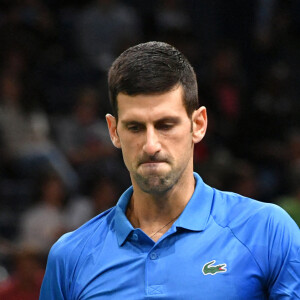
[183, 265]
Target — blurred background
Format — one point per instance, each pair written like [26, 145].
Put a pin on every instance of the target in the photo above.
[58, 167]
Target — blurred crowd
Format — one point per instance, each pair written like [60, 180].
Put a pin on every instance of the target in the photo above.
[58, 167]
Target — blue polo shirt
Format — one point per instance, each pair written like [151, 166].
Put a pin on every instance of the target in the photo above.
[223, 246]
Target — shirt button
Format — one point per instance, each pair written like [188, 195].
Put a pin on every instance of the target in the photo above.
[153, 256]
[135, 237]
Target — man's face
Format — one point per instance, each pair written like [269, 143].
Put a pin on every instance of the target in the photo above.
[156, 137]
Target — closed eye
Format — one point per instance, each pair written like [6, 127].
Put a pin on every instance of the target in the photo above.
[167, 123]
[134, 127]
[164, 126]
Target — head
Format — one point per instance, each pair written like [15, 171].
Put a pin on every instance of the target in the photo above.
[52, 190]
[152, 68]
[27, 264]
[157, 121]
[86, 106]
[104, 194]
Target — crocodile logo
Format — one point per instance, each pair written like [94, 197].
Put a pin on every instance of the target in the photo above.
[208, 268]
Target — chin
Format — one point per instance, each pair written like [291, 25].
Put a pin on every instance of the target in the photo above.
[155, 190]
[155, 184]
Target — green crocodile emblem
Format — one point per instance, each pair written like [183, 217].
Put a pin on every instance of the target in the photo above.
[208, 268]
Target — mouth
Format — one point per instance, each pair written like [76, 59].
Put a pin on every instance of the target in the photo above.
[152, 165]
[152, 162]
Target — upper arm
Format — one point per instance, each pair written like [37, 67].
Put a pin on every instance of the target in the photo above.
[273, 239]
[284, 258]
[55, 282]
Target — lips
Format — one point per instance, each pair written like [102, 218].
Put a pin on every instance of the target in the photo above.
[152, 165]
[152, 162]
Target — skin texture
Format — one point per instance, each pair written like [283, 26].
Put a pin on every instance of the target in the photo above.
[157, 140]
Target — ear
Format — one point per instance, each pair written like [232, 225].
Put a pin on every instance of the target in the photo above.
[112, 128]
[199, 122]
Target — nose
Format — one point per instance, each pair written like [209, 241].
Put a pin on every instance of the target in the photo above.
[151, 145]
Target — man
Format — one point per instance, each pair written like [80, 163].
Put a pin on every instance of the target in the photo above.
[171, 236]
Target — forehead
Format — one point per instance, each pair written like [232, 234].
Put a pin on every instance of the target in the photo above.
[145, 106]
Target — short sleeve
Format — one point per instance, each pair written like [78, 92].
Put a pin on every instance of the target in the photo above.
[284, 257]
[55, 282]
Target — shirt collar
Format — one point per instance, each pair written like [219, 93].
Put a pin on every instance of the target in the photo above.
[196, 213]
[122, 226]
[194, 217]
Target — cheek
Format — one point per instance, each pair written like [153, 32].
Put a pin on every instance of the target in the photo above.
[129, 151]
[126, 159]
[179, 147]
[182, 140]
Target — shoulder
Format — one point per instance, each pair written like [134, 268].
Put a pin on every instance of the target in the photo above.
[70, 246]
[233, 210]
[261, 227]
[269, 234]
[266, 230]
[66, 254]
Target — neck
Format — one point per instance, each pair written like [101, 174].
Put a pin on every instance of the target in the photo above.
[156, 213]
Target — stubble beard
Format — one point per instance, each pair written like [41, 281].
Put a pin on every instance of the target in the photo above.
[155, 184]
[158, 184]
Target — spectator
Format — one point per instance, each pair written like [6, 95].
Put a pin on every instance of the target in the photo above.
[44, 222]
[103, 195]
[103, 28]
[25, 282]
[170, 16]
[25, 133]
[84, 138]
[291, 203]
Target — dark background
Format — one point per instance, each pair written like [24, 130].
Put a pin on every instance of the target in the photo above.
[54, 57]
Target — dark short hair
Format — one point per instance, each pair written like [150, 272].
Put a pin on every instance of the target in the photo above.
[152, 68]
